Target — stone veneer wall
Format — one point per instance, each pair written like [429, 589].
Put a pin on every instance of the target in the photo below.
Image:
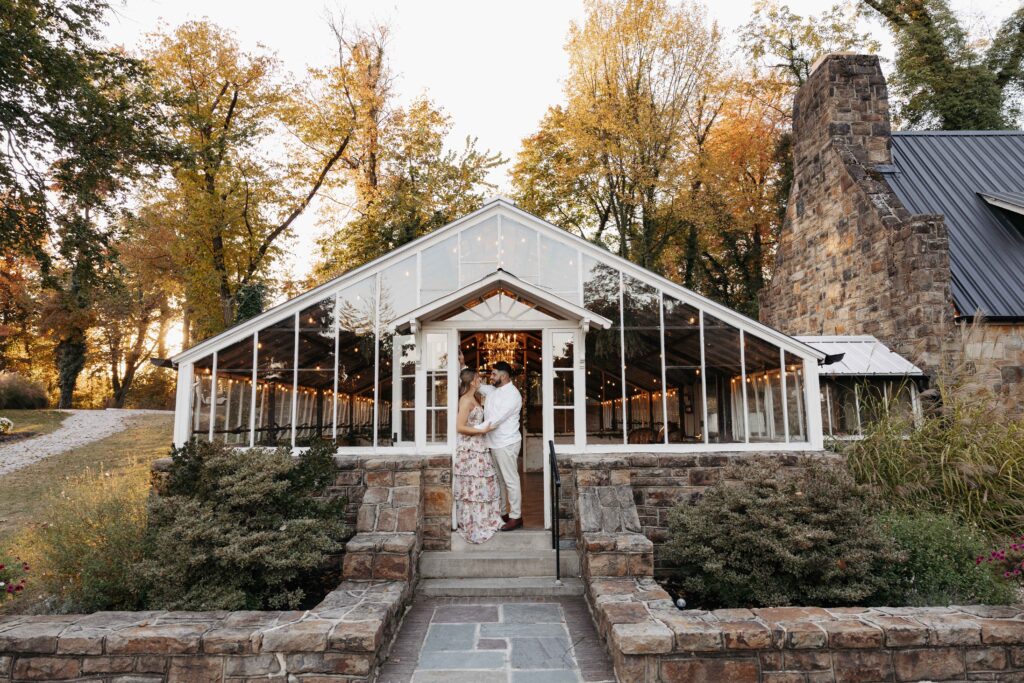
[344, 638]
[652, 641]
[852, 259]
[356, 474]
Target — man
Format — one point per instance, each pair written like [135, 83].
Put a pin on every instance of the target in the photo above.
[502, 409]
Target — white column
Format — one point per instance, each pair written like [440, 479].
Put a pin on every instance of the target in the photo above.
[812, 392]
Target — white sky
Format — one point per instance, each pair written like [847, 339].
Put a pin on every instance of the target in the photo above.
[494, 67]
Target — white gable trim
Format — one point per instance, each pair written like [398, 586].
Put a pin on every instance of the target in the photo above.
[509, 281]
[499, 207]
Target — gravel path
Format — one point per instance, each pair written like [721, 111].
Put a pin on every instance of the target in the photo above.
[79, 428]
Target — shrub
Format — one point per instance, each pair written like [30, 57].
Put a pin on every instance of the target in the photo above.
[964, 461]
[770, 538]
[940, 563]
[17, 392]
[87, 545]
[6, 425]
[242, 530]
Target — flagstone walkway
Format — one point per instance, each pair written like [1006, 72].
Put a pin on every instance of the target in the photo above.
[497, 640]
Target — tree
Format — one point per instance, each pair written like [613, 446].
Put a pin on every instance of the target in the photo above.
[232, 203]
[617, 149]
[943, 77]
[408, 187]
[137, 299]
[78, 125]
[788, 44]
[742, 176]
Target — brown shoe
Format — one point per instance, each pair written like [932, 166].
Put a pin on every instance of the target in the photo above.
[512, 524]
[504, 519]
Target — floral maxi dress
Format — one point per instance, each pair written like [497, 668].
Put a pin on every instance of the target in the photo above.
[477, 500]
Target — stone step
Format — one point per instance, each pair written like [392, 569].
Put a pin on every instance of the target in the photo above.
[527, 586]
[508, 541]
[436, 564]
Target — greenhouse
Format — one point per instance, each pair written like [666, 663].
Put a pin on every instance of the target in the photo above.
[609, 357]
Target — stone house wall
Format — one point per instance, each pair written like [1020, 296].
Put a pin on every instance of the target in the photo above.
[852, 259]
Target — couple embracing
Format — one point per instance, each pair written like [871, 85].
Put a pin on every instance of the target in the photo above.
[485, 470]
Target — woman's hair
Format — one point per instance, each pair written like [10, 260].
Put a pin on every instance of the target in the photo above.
[466, 378]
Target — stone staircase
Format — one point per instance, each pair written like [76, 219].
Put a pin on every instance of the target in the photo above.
[513, 563]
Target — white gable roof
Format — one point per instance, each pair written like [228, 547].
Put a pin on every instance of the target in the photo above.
[496, 207]
[508, 280]
[862, 355]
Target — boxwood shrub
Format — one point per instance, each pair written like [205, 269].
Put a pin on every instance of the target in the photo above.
[765, 538]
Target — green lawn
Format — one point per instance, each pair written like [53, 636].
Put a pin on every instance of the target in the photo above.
[38, 421]
[24, 493]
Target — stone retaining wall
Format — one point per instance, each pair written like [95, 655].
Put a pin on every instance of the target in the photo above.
[341, 638]
[650, 640]
[344, 638]
[357, 473]
[660, 481]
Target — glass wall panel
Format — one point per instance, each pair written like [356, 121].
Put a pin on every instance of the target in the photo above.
[440, 270]
[764, 389]
[354, 405]
[315, 378]
[518, 254]
[796, 409]
[563, 377]
[397, 290]
[436, 364]
[724, 381]
[386, 389]
[839, 399]
[641, 316]
[275, 377]
[559, 269]
[404, 400]
[202, 383]
[604, 355]
[684, 395]
[478, 247]
[234, 393]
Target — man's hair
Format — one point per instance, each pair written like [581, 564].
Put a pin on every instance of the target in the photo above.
[502, 366]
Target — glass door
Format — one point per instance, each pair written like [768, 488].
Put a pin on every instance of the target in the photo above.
[561, 393]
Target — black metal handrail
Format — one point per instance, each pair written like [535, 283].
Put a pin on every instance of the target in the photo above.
[556, 517]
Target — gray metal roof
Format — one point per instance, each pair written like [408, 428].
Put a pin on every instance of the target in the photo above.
[862, 355]
[946, 173]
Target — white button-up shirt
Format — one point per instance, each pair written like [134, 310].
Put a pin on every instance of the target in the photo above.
[502, 409]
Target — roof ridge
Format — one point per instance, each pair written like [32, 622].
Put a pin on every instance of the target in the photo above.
[954, 133]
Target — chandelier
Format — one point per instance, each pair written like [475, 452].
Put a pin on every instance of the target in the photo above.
[500, 346]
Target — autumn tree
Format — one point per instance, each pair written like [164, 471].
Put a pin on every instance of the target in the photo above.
[786, 45]
[742, 173]
[410, 186]
[257, 149]
[944, 77]
[137, 304]
[78, 125]
[609, 162]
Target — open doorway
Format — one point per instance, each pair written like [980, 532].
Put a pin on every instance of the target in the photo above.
[522, 349]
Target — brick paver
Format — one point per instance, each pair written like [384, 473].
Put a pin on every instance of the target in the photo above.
[504, 640]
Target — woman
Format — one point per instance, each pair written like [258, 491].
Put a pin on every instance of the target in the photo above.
[476, 486]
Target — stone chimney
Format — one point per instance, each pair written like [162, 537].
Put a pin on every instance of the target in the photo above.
[845, 101]
[851, 258]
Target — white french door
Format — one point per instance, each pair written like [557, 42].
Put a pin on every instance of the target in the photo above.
[563, 396]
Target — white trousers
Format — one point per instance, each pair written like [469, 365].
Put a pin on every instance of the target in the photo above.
[507, 467]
